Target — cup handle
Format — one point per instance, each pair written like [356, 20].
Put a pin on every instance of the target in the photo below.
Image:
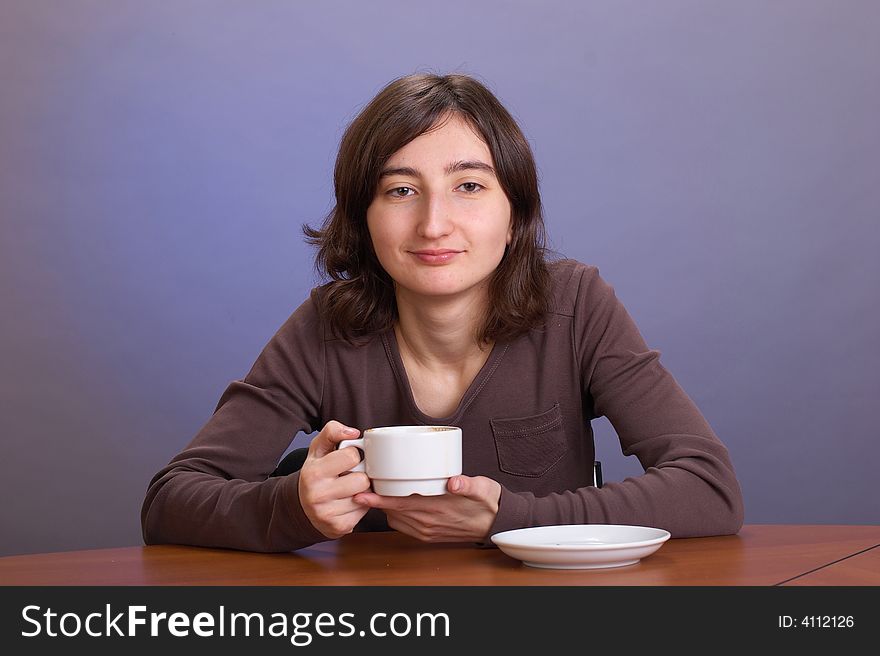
[359, 443]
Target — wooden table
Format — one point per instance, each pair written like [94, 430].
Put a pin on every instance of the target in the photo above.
[760, 555]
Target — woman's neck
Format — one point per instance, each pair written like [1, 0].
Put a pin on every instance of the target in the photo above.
[438, 333]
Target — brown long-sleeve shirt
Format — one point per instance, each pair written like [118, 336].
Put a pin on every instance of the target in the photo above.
[525, 422]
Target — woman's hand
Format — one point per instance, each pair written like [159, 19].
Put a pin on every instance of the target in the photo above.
[465, 514]
[326, 495]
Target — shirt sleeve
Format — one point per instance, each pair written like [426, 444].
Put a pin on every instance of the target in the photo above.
[689, 486]
[216, 492]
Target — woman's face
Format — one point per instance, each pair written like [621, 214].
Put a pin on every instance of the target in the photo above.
[439, 220]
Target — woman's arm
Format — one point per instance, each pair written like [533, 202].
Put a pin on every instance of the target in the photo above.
[689, 486]
[216, 493]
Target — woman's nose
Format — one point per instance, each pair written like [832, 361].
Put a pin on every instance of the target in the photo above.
[434, 217]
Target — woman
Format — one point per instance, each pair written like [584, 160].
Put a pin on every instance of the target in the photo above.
[443, 309]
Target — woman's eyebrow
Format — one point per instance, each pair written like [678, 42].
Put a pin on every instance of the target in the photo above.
[454, 167]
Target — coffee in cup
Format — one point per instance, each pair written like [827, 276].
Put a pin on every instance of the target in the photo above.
[404, 460]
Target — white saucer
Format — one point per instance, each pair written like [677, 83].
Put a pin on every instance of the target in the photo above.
[581, 546]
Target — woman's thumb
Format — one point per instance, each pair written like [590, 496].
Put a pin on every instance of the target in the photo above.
[457, 485]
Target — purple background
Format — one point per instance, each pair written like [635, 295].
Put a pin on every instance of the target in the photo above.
[719, 162]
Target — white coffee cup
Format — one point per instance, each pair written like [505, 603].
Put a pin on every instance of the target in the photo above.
[404, 460]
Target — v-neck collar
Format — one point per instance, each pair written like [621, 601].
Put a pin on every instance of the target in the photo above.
[392, 349]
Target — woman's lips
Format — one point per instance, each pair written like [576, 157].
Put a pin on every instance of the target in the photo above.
[429, 257]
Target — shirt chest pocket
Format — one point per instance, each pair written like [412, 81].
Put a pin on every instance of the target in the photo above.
[530, 446]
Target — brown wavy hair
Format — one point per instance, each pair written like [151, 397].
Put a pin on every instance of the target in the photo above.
[359, 299]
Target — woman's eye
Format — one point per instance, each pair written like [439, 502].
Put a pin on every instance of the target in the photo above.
[406, 192]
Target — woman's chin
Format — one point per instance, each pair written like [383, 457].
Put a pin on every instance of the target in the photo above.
[437, 284]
